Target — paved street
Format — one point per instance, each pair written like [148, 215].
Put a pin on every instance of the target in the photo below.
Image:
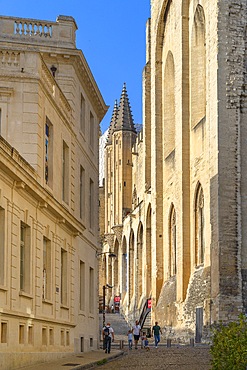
[173, 358]
[182, 358]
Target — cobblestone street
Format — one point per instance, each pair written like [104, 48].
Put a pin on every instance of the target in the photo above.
[174, 358]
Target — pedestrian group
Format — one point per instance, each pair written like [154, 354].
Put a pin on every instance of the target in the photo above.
[108, 336]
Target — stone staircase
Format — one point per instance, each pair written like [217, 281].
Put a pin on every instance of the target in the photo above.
[119, 326]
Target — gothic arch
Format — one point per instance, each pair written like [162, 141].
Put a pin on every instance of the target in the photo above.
[131, 264]
[124, 267]
[115, 268]
[198, 67]
[139, 261]
[172, 242]
[148, 252]
[199, 227]
[169, 105]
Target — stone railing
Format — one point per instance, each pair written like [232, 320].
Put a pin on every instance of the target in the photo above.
[10, 58]
[33, 28]
[40, 32]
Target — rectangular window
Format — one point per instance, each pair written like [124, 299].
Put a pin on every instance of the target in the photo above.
[91, 130]
[48, 152]
[65, 174]
[46, 269]
[91, 289]
[82, 191]
[21, 334]
[51, 336]
[91, 204]
[82, 114]
[2, 245]
[67, 338]
[82, 286]
[44, 337]
[62, 338]
[4, 328]
[91, 342]
[30, 335]
[64, 276]
[25, 258]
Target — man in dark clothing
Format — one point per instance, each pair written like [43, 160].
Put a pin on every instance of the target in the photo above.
[108, 337]
[157, 331]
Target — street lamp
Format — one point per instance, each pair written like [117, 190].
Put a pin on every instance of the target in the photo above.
[107, 286]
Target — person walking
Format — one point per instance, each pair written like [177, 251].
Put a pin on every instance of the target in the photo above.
[130, 339]
[136, 332]
[157, 331]
[108, 337]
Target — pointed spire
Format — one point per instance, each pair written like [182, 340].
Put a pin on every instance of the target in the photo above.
[112, 123]
[124, 119]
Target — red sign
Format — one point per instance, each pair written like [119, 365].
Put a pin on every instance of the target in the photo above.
[117, 298]
[149, 303]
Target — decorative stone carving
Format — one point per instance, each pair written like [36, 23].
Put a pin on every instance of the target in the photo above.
[110, 239]
[118, 231]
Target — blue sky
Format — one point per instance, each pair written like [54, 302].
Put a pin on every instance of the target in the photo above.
[111, 34]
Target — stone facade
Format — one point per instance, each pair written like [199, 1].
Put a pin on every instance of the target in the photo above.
[50, 110]
[184, 238]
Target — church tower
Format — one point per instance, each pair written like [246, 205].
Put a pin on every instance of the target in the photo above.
[121, 137]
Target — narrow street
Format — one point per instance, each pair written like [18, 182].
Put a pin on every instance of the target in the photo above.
[177, 357]
[182, 358]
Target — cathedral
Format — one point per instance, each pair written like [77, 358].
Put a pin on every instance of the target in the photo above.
[173, 202]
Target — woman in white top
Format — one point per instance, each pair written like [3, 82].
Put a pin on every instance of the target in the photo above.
[136, 332]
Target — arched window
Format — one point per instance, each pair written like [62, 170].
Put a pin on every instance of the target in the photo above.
[199, 227]
[198, 68]
[172, 242]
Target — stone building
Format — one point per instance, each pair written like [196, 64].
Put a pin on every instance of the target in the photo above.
[175, 195]
[50, 110]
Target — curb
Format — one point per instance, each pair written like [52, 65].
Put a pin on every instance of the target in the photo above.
[98, 362]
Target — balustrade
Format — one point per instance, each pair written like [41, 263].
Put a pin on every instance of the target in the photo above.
[10, 58]
[29, 28]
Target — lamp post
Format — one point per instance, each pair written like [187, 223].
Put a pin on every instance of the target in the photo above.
[107, 286]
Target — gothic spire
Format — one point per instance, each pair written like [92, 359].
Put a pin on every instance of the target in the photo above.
[124, 119]
[112, 123]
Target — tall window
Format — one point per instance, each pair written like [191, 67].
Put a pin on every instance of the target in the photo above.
[199, 227]
[91, 130]
[82, 191]
[25, 258]
[4, 329]
[2, 245]
[46, 269]
[82, 114]
[91, 204]
[91, 289]
[172, 242]
[64, 277]
[48, 152]
[82, 285]
[65, 174]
